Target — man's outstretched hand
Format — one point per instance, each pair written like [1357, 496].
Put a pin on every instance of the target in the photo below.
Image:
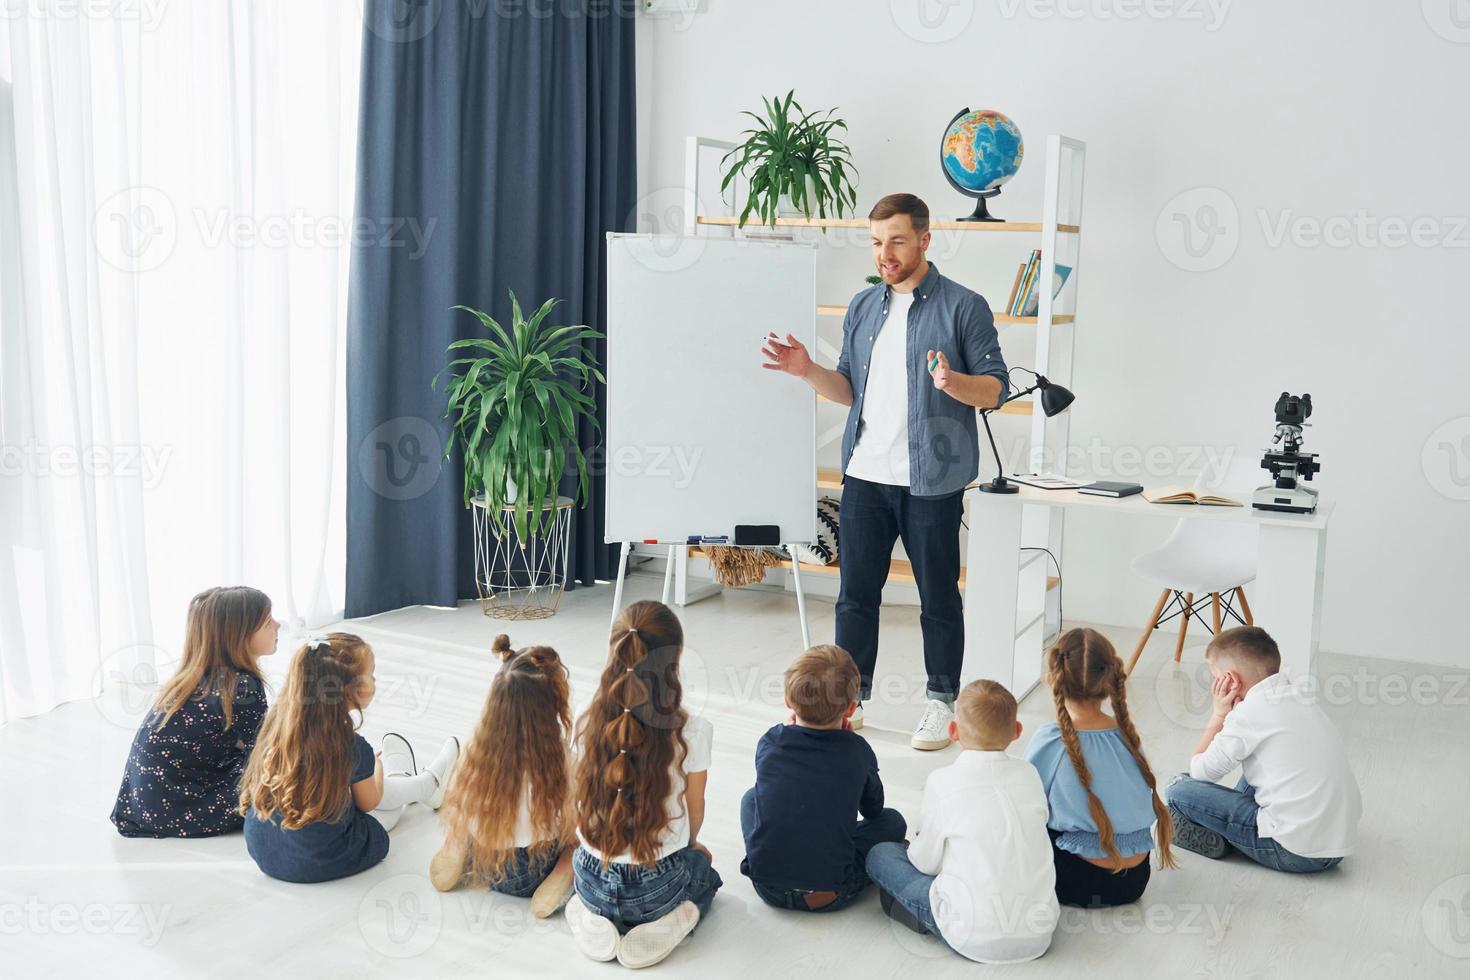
[791, 356]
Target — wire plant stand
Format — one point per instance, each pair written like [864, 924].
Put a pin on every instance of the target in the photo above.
[521, 579]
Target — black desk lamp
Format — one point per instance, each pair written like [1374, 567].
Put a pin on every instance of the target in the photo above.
[1054, 400]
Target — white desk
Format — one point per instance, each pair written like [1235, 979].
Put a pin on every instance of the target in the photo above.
[1003, 622]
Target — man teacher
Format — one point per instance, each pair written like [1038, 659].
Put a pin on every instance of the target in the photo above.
[919, 356]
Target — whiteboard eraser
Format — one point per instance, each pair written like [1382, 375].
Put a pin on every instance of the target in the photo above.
[757, 534]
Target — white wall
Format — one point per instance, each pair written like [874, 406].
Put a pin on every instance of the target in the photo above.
[1301, 113]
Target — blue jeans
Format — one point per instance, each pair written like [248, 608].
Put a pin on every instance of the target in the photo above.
[1231, 813]
[902, 884]
[871, 518]
[630, 894]
[525, 873]
[868, 833]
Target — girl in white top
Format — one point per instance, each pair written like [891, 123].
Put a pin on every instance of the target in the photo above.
[643, 880]
[507, 813]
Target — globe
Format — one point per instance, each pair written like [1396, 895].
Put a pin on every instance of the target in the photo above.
[981, 150]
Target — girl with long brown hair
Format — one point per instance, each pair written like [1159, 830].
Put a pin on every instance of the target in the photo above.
[318, 802]
[184, 766]
[1100, 789]
[643, 880]
[507, 814]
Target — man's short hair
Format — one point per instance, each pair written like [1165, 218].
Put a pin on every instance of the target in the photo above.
[986, 712]
[908, 204]
[1248, 645]
[821, 684]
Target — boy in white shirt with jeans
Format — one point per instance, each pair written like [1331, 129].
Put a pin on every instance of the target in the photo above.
[979, 874]
[1296, 807]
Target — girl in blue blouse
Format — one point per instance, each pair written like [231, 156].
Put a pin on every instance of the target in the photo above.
[1099, 787]
[184, 767]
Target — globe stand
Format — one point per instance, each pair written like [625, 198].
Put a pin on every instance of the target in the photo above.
[982, 210]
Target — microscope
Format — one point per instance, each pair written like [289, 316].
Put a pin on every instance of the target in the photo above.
[1287, 462]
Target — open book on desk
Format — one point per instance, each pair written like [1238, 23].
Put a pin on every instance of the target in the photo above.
[1183, 495]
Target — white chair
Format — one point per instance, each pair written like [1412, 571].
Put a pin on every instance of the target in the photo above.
[1204, 558]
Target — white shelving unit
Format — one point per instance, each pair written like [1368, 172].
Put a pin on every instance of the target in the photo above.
[1058, 234]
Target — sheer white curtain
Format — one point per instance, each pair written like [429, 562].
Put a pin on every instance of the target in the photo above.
[175, 225]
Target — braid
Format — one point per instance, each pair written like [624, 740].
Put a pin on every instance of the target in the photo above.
[625, 730]
[1079, 765]
[1119, 697]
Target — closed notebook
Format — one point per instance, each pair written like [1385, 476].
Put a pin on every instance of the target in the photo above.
[1110, 488]
[1181, 495]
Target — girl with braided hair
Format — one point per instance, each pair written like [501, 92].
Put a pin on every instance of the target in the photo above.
[643, 880]
[1100, 789]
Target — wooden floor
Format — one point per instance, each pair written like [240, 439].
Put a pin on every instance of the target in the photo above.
[76, 899]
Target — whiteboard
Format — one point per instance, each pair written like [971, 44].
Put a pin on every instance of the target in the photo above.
[700, 437]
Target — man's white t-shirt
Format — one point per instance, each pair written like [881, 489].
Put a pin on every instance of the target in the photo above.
[699, 735]
[881, 454]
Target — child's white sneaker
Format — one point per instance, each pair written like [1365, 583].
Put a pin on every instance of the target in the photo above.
[442, 768]
[398, 756]
[594, 935]
[653, 941]
[933, 730]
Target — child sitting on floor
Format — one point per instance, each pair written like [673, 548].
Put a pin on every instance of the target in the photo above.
[1296, 807]
[318, 803]
[183, 772]
[508, 814]
[805, 848]
[979, 873]
[1099, 786]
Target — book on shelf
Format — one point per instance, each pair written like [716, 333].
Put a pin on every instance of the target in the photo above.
[1027, 273]
[1030, 303]
[1182, 495]
[1016, 287]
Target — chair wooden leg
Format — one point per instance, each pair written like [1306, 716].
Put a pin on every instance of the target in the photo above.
[1245, 607]
[1153, 623]
[1183, 625]
[1215, 610]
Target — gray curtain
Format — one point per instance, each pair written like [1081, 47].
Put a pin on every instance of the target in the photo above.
[495, 151]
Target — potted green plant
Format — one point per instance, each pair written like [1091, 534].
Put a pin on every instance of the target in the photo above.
[514, 406]
[793, 158]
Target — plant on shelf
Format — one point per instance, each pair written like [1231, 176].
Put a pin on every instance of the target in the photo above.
[514, 407]
[793, 155]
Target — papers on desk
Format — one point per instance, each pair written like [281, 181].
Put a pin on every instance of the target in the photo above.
[1044, 481]
[1180, 495]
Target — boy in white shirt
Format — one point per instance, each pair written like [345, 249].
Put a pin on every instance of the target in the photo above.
[979, 873]
[1296, 807]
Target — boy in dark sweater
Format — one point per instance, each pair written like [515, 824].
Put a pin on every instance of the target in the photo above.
[805, 848]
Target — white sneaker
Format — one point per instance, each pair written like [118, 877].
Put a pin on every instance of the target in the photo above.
[856, 721]
[442, 768]
[398, 756]
[933, 730]
[653, 941]
[594, 935]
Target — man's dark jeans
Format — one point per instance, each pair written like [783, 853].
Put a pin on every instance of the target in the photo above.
[871, 518]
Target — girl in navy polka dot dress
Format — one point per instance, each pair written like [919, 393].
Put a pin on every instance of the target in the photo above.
[183, 772]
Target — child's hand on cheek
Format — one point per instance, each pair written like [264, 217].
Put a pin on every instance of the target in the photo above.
[1225, 693]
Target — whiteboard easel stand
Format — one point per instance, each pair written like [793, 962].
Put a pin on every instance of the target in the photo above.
[675, 551]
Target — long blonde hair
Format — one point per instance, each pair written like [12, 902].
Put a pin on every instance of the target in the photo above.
[519, 746]
[1083, 667]
[303, 759]
[217, 635]
[632, 736]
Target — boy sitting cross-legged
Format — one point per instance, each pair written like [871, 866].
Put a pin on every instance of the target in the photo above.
[1296, 807]
[979, 873]
[805, 847]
